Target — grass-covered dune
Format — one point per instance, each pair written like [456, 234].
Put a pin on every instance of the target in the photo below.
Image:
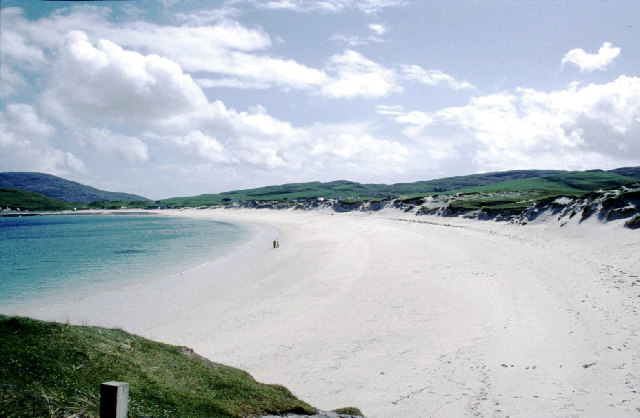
[45, 359]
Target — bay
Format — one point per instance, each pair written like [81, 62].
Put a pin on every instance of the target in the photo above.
[56, 258]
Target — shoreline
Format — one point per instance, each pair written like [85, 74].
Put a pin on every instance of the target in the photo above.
[101, 290]
[445, 317]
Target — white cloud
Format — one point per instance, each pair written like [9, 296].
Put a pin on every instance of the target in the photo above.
[433, 77]
[350, 40]
[199, 145]
[357, 76]
[107, 84]
[574, 128]
[206, 17]
[226, 47]
[127, 148]
[590, 62]
[22, 119]
[393, 110]
[330, 6]
[11, 81]
[236, 83]
[349, 147]
[378, 28]
[17, 47]
[375, 6]
[274, 71]
[231, 51]
[26, 144]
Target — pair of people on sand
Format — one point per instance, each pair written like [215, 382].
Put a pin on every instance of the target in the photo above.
[276, 243]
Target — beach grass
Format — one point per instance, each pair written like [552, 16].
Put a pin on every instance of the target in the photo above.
[42, 360]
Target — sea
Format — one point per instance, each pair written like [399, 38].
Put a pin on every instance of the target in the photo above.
[50, 259]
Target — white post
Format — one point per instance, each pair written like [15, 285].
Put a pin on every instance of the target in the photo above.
[114, 400]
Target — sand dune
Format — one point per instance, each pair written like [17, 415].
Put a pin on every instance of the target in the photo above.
[407, 316]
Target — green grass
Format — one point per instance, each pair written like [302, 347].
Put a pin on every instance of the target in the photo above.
[590, 180]
[492, 203]
[349, 411]
[355, 200]
[535, 184]
[541, 181]
[165, 380]
[14, 199]
[117, 204]
[634, 222]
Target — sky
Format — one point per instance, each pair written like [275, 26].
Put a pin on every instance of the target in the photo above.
[178, 98]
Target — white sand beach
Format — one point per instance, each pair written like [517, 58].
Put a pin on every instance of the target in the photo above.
[408, 316]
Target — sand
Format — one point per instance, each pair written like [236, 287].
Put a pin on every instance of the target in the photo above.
[406, 316]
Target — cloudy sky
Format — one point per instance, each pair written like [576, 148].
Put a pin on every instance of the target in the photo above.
[169, 98]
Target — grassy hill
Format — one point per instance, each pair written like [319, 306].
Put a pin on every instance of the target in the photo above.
[60, 189]
[63, 366]
[543, 182]
[14, 199]
[538, 183]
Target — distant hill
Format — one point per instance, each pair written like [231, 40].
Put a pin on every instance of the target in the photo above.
[61, 189]
[551, 181]
[22, 199]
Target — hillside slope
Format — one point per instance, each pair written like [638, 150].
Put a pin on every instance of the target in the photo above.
[23, 200]
[62, 367]
[60, 189]
[552, 181]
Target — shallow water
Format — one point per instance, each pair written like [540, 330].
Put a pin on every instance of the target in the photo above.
[57, 258]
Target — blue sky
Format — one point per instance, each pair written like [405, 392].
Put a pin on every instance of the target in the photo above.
[167, 98]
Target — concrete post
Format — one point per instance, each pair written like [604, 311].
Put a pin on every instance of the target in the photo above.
[114, 400]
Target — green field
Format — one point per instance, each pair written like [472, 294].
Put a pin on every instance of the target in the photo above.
[538, 182]
[14, 199]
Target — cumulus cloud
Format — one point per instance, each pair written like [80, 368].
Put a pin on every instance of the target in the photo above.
[357, 76]
[126, 147]
[223, 54]
[22, 119]
[26, 144]
[575, 128]
[199, 145]
[348, 147]
[11, 81]
[590, 62]
[107, 84]
[433, 77]
[225, 47]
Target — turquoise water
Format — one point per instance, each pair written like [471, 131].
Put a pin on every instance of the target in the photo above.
[53, 259]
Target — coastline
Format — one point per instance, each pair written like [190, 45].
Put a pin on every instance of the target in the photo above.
[442, 317]
[185, 268]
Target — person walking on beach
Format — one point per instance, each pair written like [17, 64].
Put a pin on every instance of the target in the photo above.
[275, 243]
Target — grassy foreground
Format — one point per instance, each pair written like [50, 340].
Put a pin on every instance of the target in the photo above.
[45, 359]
